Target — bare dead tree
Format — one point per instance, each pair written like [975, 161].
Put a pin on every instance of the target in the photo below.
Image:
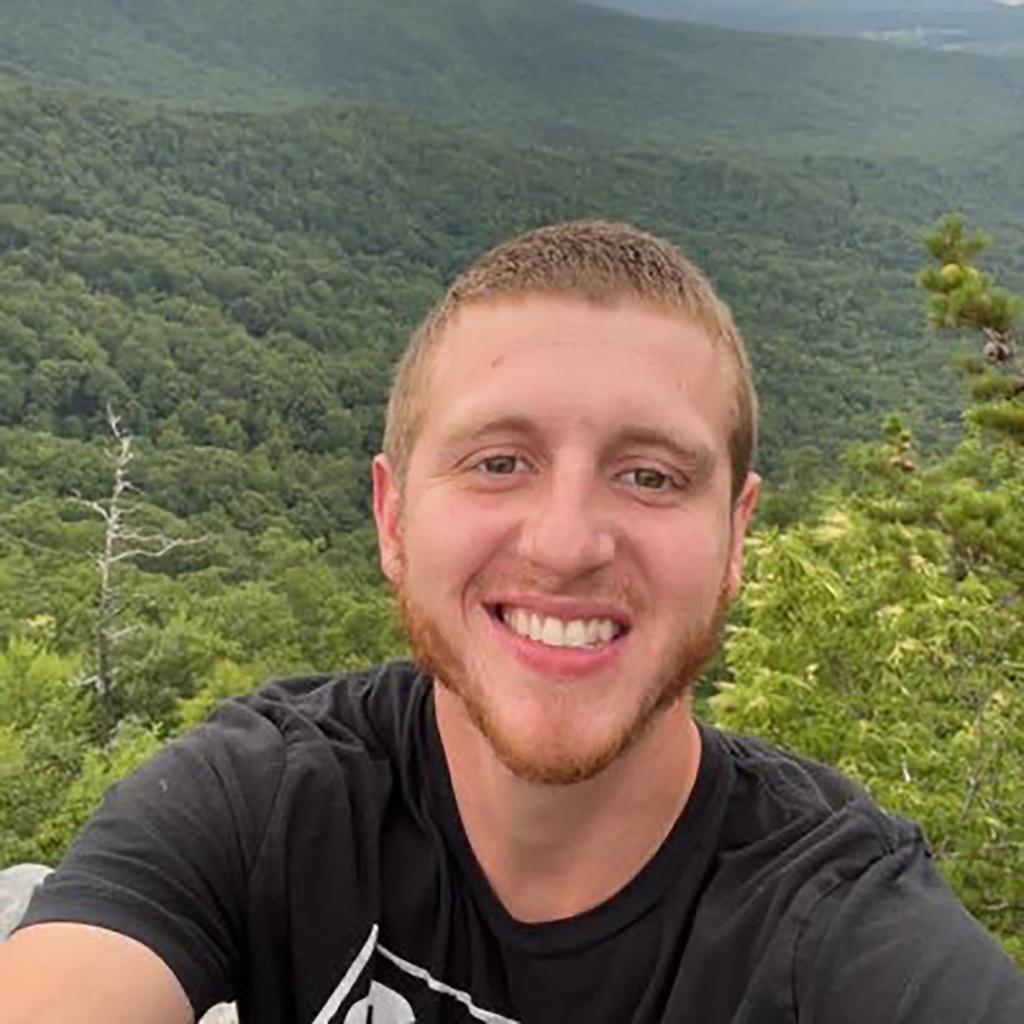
[121, 543]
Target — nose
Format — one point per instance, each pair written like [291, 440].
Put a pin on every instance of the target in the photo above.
[566, 530]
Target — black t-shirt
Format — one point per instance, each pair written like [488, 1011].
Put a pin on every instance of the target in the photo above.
[302, 853]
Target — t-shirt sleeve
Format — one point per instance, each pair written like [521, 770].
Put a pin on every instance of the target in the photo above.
[895, 945]
[167, 858]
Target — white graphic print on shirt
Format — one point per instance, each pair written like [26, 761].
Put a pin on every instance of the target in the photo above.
[381, 1006]
[401, 992]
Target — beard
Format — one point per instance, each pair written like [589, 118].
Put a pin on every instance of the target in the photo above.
[549, 764]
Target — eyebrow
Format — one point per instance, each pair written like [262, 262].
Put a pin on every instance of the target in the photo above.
[471, 429]
[698, 459]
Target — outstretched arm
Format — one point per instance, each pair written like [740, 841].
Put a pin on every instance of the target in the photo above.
[78, 974]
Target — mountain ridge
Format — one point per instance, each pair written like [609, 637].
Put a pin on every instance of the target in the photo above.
[536, 73]
[990, 28]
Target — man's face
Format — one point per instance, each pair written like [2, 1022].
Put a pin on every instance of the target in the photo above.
[565, 545]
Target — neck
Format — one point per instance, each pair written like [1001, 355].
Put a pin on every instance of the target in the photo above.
[551, 852]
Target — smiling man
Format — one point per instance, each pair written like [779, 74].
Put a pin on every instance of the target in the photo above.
[525, 824]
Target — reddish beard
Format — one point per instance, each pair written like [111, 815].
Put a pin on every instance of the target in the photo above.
[434, 652]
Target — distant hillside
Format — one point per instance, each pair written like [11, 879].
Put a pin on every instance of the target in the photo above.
[242, 283]
[988, 27]
[549, 71]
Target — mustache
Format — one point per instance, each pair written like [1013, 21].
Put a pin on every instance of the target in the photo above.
[600, 587]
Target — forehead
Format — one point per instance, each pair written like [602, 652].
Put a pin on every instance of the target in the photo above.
[561, 360]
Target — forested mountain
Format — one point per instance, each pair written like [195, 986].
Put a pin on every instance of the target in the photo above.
[225, 280]
[551, 71]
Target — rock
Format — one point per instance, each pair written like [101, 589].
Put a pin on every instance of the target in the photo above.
[16, 885]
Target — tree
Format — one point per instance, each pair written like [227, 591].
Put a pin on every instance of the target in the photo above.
[45, 716]
[121, 543]
[962, 298]
[886, 638]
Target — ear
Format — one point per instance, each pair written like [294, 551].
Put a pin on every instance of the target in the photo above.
[387, 506]
[742, 514]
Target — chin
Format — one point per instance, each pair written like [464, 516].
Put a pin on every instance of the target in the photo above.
[552, 755]
[538, 737]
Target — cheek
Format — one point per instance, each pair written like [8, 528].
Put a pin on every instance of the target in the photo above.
[687, 560]
[450, 540]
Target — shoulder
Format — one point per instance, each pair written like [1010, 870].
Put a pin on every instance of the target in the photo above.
[892, 942]
[779, 799]
[206, 804]
[309, 737]
[253, 742]
[229, 809]
[793, 831]
[790, 778]
[867, 927]
[370, 709]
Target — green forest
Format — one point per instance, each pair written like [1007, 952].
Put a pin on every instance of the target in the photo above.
[215, 239]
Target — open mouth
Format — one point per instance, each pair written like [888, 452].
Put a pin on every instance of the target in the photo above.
[551, 631]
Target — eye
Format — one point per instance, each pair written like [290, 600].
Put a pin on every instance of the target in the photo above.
[500, 465]
[648, 479]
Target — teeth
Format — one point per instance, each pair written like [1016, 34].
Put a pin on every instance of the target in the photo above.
[553, 633]
[575, 633]
[522, 622]
[536, 629]
[557, 632]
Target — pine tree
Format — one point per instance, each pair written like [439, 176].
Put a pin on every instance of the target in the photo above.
[963, 298]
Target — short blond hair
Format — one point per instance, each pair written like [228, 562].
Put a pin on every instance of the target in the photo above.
[603, 262]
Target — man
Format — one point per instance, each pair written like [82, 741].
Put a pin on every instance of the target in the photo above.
[529, 826]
